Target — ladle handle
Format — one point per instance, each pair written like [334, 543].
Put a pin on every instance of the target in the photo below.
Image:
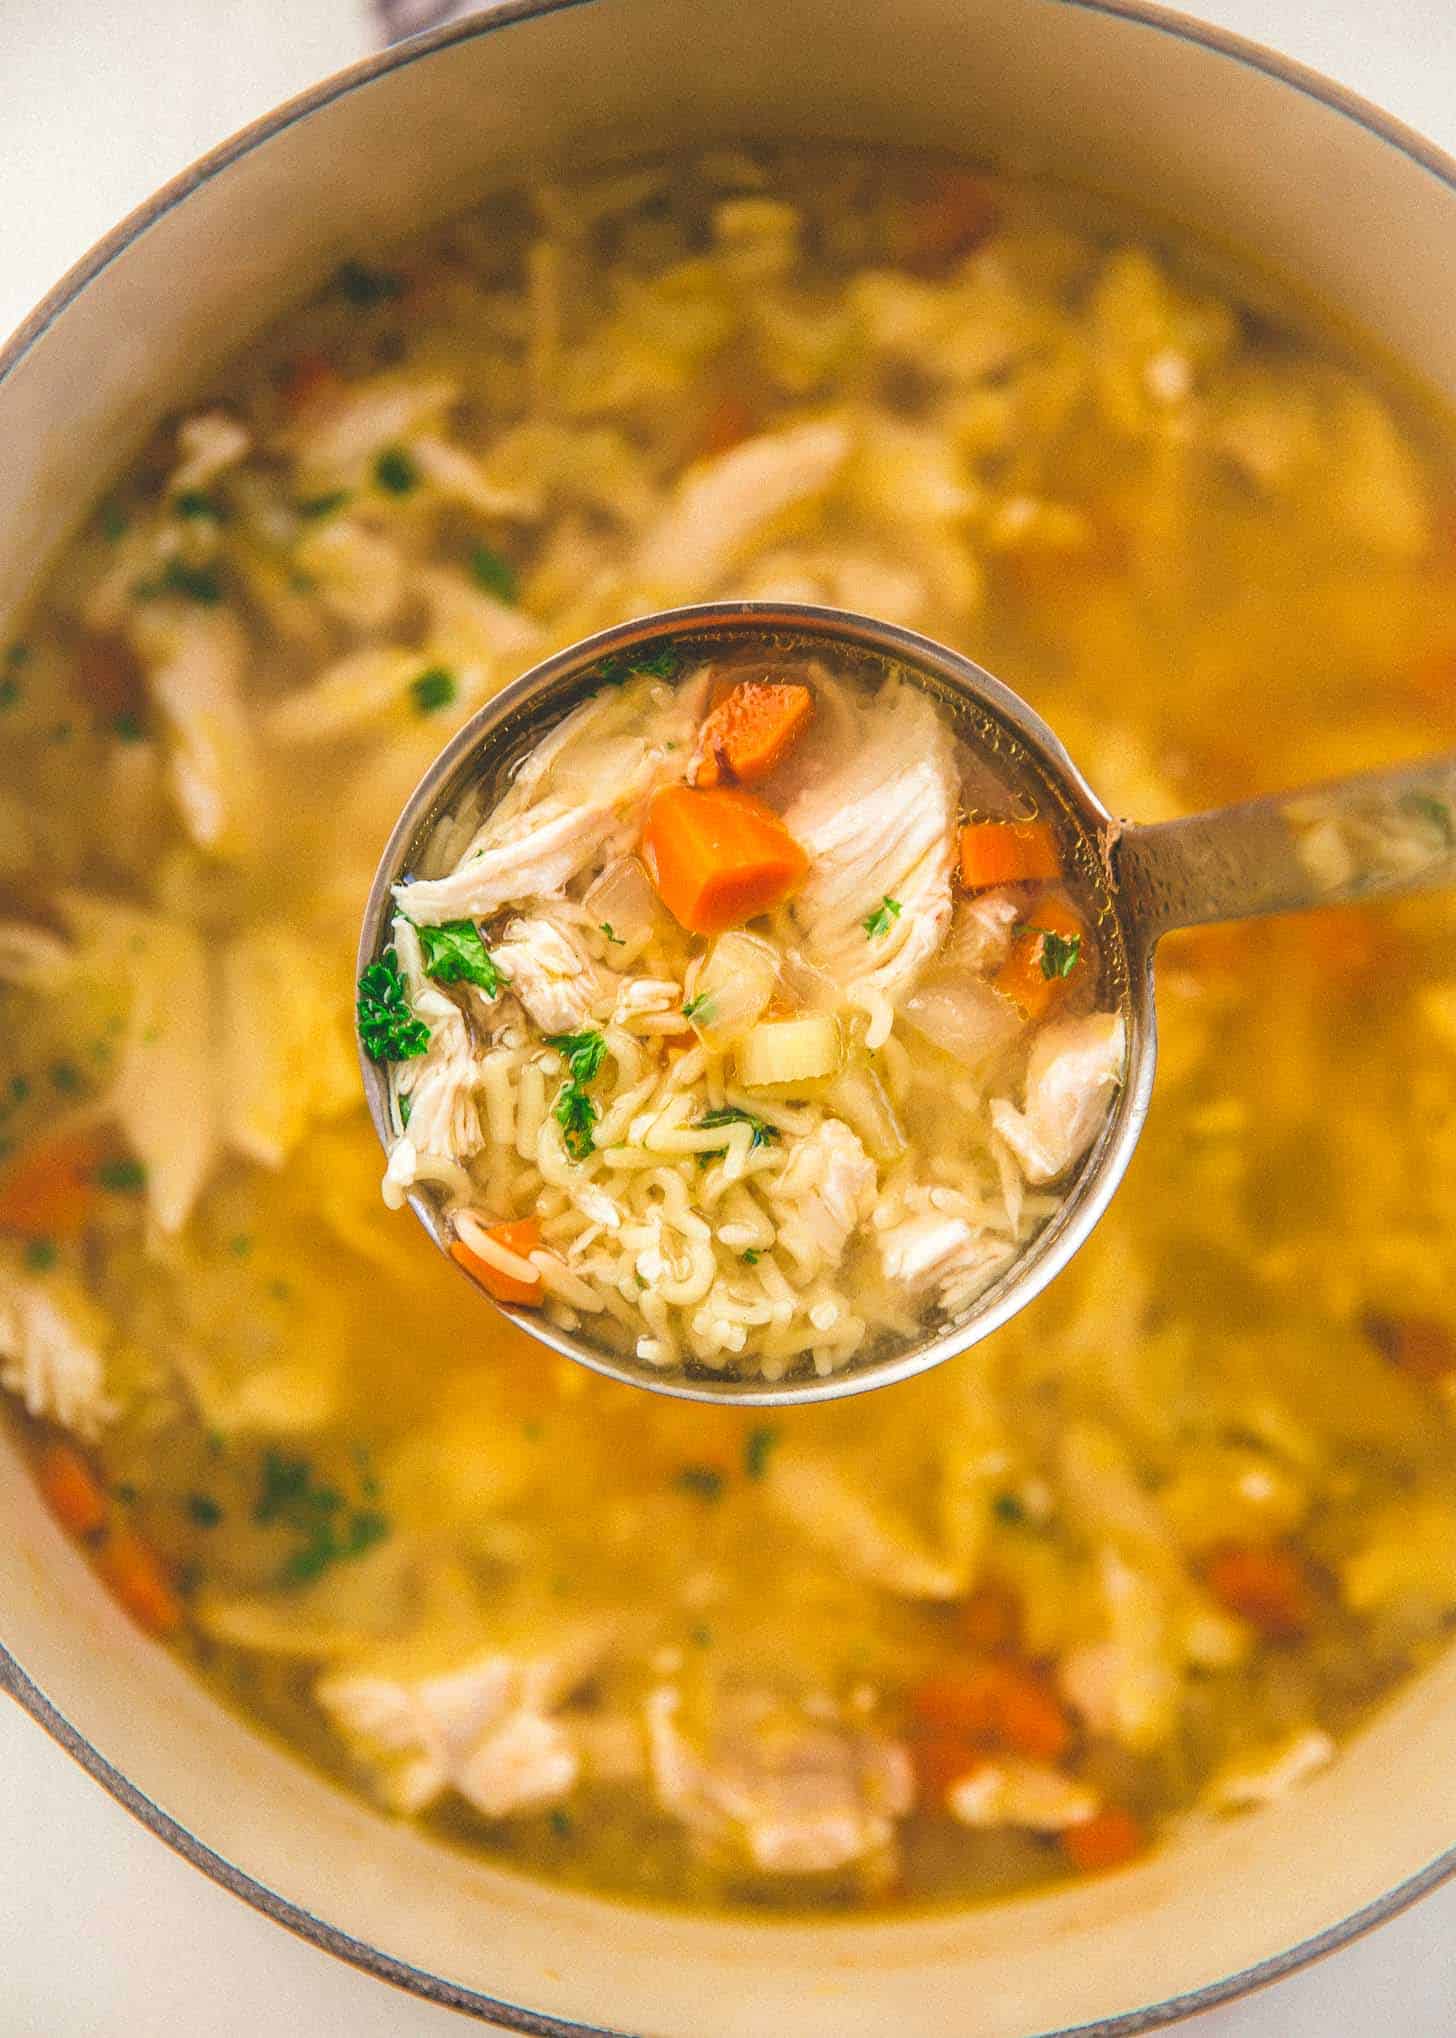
[1356, 838]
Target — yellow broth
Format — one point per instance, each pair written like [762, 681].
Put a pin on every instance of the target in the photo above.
[1216, 554]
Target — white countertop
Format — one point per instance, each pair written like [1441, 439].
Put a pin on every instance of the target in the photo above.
[104, 1933]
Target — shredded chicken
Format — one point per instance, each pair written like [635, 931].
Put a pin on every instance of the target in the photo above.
[1013, 1792]
[1074, 1066]
[826, 1190]
[49, 1355]
[196, 663]
[864, 1535]
[769, 1788]
[548, 972]
[938, 1250]
[878, 829]
[1268, 1772]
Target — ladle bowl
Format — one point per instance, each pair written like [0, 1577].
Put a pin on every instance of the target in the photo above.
[1353, 839]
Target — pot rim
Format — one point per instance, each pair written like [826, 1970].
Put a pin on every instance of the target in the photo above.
[492, 16]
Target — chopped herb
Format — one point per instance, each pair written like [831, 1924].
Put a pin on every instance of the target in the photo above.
[367, 287]
[562, 1823]
[62, 732]
[17, 654]
[240, 1246]
[40, 1255]
[701, 1636]
[9, 691]
[764, 1134]
[455, 953]
[113, 520]
[533, 1430]
[704, 1482]
[574, 1111]
[204, 1510]
[615, 939]
[1059, 954]
[660, 663]
[758, 1448]
[19, 1089]
[302, 583]
[406, 1106]
[387, 1025]
[216, 1442]
[1010, 1509]
[126, 1493]
[195, 583]
[582, 1052]
[494, 573]
[883, 917]
[434, 689]
[196, 502]
[1427, 807]
[280, 1291]
[328, 1528]
[65, 1077]
[313, 507]
[124, 1176]
[752, 1257]
[700, 1007]
[395, 472]
[127, 727]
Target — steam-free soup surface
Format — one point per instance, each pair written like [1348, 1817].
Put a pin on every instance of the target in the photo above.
[1145, 1555]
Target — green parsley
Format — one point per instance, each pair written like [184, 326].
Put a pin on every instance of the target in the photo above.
[127, 727]
[1427, 807]
[387, 1025]
[193, 583]
[659, 663]
[113, 520]
[764, 1134]
[315, 507]
[123, 1176]
[204, 1510]
[9, 691]
[562, 1823]
[615, 938]
[196, 502]
[700, 1007]
[456, 954]
[574, 1111]
[17, 654]
[240, 1246]
[432, 690]
[494, 573]
[19, 1089]
[704, 1482]
[65, 1077]
[1059, 953]
[406, 1106]
[701, 1636]
[758, 1447]
[1009, 1508]
[883, 918]
[365, 287]
[329, 1530]
[752, 1257]
[395, 472]
[40, 1255]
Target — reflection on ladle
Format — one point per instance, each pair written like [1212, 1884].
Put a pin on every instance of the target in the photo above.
[1377, 834]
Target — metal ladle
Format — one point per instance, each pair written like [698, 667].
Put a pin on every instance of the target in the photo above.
[1358, 838]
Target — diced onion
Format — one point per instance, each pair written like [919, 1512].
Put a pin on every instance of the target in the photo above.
[962, 1016]
[623, 899]
[731, 991]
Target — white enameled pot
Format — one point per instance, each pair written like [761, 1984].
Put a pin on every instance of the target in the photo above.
[1253, 152]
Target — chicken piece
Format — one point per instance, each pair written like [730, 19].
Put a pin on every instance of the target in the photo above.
[724, 506]
[335, 439]
[765, 1787]
[540, 861]
[555, 981]
[980, 938]
[1127, 1685]
[1270, 1771]
[441, 1084]
[287, 1058]
[196, 663]
[936, 1249]
[1013, 1792]
[879, 828]
[207, 445]
[845, 580]
[469, 626]
[1075, 1066]
[486, 1728]
[822, 1195]
[864, 1535]
[49, 1354]
[362, 691]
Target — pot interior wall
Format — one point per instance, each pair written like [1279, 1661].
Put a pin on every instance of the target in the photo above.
[1117, 105]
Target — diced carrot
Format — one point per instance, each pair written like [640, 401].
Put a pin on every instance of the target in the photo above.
[729, 422]
[957, 214]
[1417, 1345]
[751, 730]
[940, 1760]
[109, 677]
[49, 1191]
[996, 1704]
[305, 379]
[1267, 1585]
[72, 1492]
[1109, 1839]
[990, 1620]
[1024, 976]
[138, 1577]
[521, 1237]
[718, 858]
[1006, 852]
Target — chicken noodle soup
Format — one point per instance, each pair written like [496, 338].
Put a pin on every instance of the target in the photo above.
[1141, 1559]
[754, 1025]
